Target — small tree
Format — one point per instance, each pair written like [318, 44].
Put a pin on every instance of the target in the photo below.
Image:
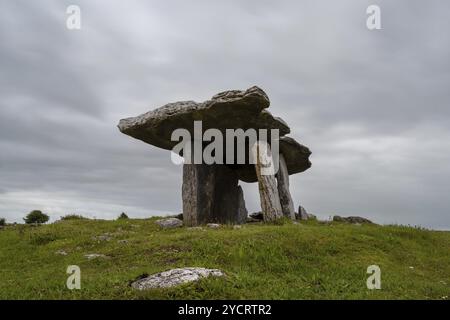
[2, 222]
[36, 216]
[123, 215]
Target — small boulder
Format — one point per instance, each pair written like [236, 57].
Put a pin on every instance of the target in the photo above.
[174, 277]
[213, 225]
[311, 217]
[61, 253]
[103, 237]
[195, 228]
[354, 220]
[92, 256]
[302, 214]
[169, 223]
[257, 216]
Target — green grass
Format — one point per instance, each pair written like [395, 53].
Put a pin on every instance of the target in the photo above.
[306, 261]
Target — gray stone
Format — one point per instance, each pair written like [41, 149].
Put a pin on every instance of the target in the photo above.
[226, 110]
[258, 216]
[210, 195]
[169, 223]
[103, 237]
[242, 210]
[295, 155]
[175, 277]
[213, 225]
[287, 205]
[311, 217]
[267, 184]
[61, 253]
[232, 109]
[92, 256]
[195, 229]
[353, 219]
[302, 214]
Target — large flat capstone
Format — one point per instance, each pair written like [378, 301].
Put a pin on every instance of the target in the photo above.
[234, 109]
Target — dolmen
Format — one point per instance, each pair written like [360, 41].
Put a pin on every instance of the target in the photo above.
[224, 129]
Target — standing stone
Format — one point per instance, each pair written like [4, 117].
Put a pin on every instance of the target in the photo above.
[302, 214]
[287, 206]
[210, 194]
[242, 210]
[268, 192]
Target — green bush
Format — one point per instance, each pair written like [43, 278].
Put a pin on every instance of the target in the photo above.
[123, 215]
[37, 217]
[2, 222]
[73, 217]
[42, 238]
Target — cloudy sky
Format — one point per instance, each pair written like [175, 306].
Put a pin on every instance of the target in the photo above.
[373, 106]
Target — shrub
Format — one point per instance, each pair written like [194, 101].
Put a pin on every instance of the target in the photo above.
[2, 222]
[36, 216]
[73, 217]
[42, 238]
[123, 215]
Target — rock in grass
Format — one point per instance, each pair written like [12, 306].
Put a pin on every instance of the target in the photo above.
[351, 219]
[258, 216]
[92, 256]
[103, 237]
[175, 277]
[213, 225]
[302, 214]
[169, 223]
[61, 253]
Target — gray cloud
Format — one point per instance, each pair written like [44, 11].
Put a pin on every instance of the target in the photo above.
[373, 106]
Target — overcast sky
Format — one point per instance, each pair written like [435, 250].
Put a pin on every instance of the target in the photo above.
[373, 106]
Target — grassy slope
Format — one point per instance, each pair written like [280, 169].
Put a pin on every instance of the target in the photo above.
[307, 261]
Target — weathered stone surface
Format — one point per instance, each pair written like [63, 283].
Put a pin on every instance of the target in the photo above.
[103, 237]
[213, 225]
[242, 210]
[311, 216]
[169, 223]
[268, 192]
[210, 195]
[175, 277]
[351, 219]
[252, 220]
[287, 205]
[210, 192]
[302, 214]
[226, 110]
[92, 256]
[295, 155]
[257, 216]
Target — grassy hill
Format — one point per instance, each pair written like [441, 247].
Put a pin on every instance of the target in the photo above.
[292, 261]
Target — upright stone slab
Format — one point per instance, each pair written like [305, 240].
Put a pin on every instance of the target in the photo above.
[197, 193]
[287, 205]
[210, 195]
[268, 192]
[242, 210]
